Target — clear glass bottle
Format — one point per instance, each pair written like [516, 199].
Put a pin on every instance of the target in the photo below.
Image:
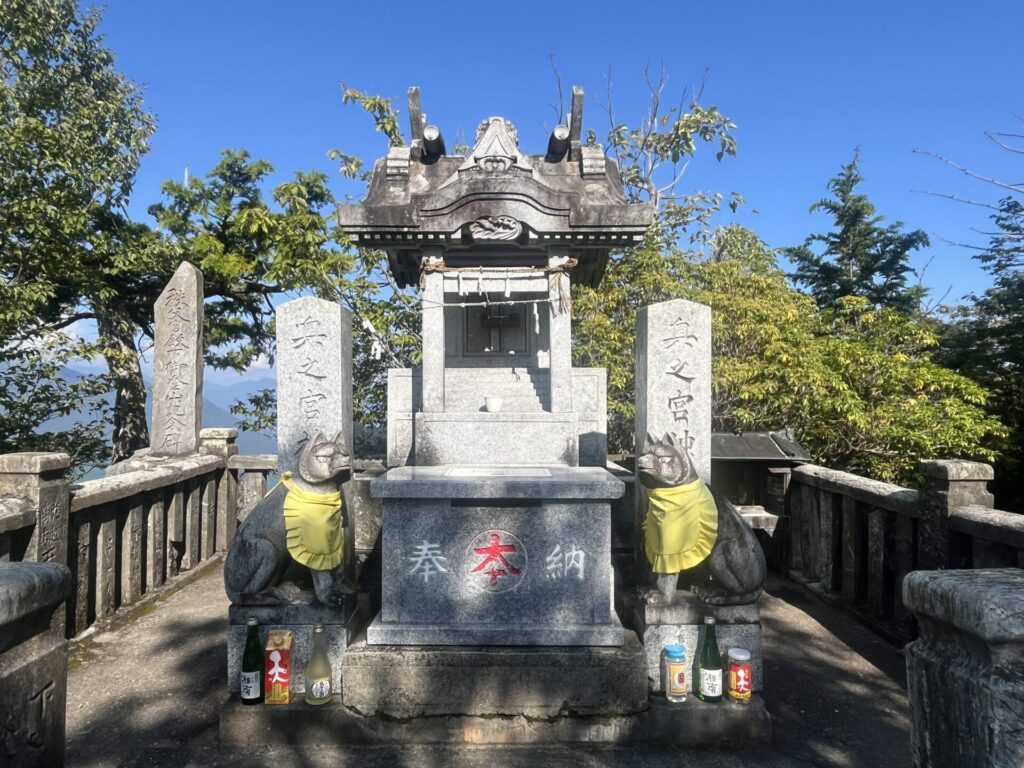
[674, 681]
[251, 680]
[710, 658]
[318, 670]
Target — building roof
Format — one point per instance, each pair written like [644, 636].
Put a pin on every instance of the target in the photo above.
[496, 195]
[757, 446]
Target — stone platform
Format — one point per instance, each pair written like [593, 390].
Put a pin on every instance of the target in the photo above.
[496, 556]
[682, 620]
[341, 625]
[404, 682]
[690, 724]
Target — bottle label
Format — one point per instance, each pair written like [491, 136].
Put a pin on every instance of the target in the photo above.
[320, 689]
[250, 685]
[677, 682]
[740, 676]
[711, 682]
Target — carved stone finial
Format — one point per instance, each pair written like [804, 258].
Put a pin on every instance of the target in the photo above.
[485, 124]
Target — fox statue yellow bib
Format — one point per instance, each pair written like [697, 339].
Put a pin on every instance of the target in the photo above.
[312, 522]
[680, 527]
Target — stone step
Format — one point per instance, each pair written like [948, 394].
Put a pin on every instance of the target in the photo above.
[494, 389]
[510, 404]
[518, 375]
[692, 724]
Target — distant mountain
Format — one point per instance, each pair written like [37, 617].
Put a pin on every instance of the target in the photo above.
[215, 413]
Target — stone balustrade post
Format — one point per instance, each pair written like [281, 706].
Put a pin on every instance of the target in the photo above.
[965, 681]
[948, 484]
[33, 661]
[222, 442]
[39, 482]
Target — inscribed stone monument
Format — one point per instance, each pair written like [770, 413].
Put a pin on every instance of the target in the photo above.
[673, 377]
[314, 375]
[178, 364]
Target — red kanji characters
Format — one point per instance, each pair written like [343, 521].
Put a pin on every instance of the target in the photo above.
[494, 555]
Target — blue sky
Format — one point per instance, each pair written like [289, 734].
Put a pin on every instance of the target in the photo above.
[806, 82]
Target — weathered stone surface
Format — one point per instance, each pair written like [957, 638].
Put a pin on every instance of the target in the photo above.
[490, 439]
[29, 594]
[33, 665]
[530, 568]
[464, 392]
[456, 482]
[535, 682]
[314, 375]
[341, 625]
[178, 364]
[682, 621]
[673, 377]
[691, 724]
[964, 673]
[36, 487]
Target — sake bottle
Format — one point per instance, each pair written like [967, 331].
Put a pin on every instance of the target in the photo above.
[251, 681]
[318, 670]
[710, 659]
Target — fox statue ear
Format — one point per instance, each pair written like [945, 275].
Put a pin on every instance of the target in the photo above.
[672, 439]
[650, 441]
[337, 440]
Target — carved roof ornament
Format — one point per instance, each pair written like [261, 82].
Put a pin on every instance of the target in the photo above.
[496, 205]
[496, 228]
[497, 149]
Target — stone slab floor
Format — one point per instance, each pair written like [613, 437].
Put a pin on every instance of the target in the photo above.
[147, 693]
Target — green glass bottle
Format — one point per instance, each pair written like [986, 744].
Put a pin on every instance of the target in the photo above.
[251, 682]
[710, 660]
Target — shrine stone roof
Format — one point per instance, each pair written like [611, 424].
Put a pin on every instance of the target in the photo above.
[496, 205]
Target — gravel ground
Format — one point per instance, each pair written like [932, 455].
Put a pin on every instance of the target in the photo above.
[148, 693]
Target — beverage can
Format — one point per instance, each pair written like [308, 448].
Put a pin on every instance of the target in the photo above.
[278, 667]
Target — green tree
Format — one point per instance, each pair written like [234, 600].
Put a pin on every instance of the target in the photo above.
[858, 385]
[860, 256]
[72, 132]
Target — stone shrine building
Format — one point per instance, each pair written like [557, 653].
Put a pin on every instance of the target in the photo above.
[496, 522]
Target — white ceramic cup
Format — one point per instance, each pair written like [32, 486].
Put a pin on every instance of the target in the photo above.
[493, 404]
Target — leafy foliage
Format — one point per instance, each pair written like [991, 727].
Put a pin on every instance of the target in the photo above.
[860, 257]
[72, 132]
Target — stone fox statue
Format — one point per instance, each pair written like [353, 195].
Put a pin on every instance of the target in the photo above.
[301, 520]
[687, 523]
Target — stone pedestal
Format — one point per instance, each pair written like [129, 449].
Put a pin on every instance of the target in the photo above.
[427, 681]
[496, 556]
[33, 664]
[692, 724]
[341, 625]
[682, 621]
[965, 678]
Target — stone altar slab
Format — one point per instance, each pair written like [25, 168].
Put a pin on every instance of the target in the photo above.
[496, 438]
[503, 556]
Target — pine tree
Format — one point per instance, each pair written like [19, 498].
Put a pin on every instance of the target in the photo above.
[860, 256]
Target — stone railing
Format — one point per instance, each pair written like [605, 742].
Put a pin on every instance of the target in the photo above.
[253, 472]
[122, 536]
[855, 540]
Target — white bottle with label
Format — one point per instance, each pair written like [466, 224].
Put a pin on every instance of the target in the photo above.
[318, 671]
